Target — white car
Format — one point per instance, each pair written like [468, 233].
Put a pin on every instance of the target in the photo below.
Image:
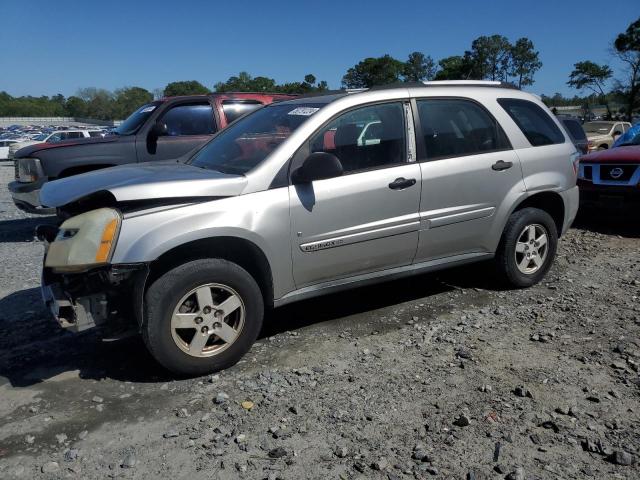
[55, 137]
[4, 148]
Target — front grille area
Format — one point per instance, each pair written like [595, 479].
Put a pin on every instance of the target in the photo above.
[617, 173]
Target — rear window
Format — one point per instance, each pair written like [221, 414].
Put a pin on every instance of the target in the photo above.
[575, 129]
[234, 109]
[535, 123]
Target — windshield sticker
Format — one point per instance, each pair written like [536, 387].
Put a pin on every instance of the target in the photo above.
[148, 109]
[303, 111]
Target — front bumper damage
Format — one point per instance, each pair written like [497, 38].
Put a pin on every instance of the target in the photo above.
[108, 297]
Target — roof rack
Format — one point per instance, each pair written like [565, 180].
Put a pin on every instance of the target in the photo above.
[469, 83]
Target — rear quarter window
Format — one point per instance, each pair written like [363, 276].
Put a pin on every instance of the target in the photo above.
[575, 129]
[533, 121]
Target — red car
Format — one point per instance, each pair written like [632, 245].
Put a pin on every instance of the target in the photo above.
[610, 177]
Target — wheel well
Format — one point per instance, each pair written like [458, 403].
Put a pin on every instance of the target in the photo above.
[237, 250]
[69, 172]
[604, 146]
[551, 203]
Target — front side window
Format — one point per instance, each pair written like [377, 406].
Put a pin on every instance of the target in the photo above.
[55, 138]
[369, 137]
[234, 109]
[185, 120]
[248, 142]
[533, 121]
[457, 127]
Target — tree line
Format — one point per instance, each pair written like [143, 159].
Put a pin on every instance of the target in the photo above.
[492, 57]
[597, 79]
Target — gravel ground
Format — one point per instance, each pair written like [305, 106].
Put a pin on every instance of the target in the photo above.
[438, 376]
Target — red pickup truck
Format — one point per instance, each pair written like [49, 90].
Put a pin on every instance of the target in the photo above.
[611, 178]
[161, 130]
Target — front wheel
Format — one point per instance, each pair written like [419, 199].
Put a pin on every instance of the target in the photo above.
[202, 316]
[527, 248]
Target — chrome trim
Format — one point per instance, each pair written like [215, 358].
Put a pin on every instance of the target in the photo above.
[360, 237]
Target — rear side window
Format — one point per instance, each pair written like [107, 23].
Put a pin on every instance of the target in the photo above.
[194, 119]
[535, 123]
[235, 109]
[456, 127]
[575, 129]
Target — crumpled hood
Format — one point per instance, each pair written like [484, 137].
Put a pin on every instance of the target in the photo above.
[143, 181]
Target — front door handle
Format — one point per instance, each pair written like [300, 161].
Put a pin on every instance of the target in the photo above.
[402, 183]
[501, 165]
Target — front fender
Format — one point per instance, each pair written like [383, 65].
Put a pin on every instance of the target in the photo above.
[261, 218]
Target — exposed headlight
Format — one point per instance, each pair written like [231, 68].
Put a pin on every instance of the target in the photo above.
[86, 240]
[28, 169]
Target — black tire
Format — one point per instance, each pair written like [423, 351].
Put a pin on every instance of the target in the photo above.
[163, 296]
[506, 254]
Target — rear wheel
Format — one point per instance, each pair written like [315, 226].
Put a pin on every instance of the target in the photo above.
[202, 316]
[528, 247]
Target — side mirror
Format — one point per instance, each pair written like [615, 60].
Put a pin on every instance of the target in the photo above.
[318, 166]
[159, 129]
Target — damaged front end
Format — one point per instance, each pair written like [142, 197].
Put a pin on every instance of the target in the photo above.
[103, 297]
[80, 287]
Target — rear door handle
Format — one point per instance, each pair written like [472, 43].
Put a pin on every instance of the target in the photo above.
[501, 165]
[402, 183]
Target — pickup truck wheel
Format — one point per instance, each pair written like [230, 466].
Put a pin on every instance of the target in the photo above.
[202, 316]
[527, 248]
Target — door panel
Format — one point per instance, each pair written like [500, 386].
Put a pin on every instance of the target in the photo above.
[353, 224]
[460, 198]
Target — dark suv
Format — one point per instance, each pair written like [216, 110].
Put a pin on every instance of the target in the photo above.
[161, 130]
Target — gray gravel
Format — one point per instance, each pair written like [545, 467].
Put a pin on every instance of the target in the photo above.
[439, 376]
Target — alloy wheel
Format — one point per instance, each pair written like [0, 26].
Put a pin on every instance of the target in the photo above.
[208, 320]
[531, 249]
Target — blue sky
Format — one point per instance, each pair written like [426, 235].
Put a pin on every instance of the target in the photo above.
[58, 47]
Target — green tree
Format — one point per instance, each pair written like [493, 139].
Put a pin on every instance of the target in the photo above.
[186, 87]
[244, 82]
[99, 102]
[491, 57]
[590, 76]
[76, 107]
[129, 99]
[418, 67]
[455, 68]
[373, 71]
[524, 62]
[627, 49]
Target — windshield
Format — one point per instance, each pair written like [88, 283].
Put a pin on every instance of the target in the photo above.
[41, 138]
[246, 143]
[597, 127]
[136, 119]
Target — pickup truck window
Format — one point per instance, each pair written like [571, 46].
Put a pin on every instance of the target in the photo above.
[234, 109]
[133, 123]
[246, 143]
[193, 119]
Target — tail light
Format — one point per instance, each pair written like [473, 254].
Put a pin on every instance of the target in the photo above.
[575, 162]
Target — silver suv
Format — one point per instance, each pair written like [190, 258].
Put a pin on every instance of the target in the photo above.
[291, 201]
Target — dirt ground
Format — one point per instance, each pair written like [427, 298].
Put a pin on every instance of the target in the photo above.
[438, 376]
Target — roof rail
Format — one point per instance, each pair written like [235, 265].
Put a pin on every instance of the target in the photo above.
[469, 83]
